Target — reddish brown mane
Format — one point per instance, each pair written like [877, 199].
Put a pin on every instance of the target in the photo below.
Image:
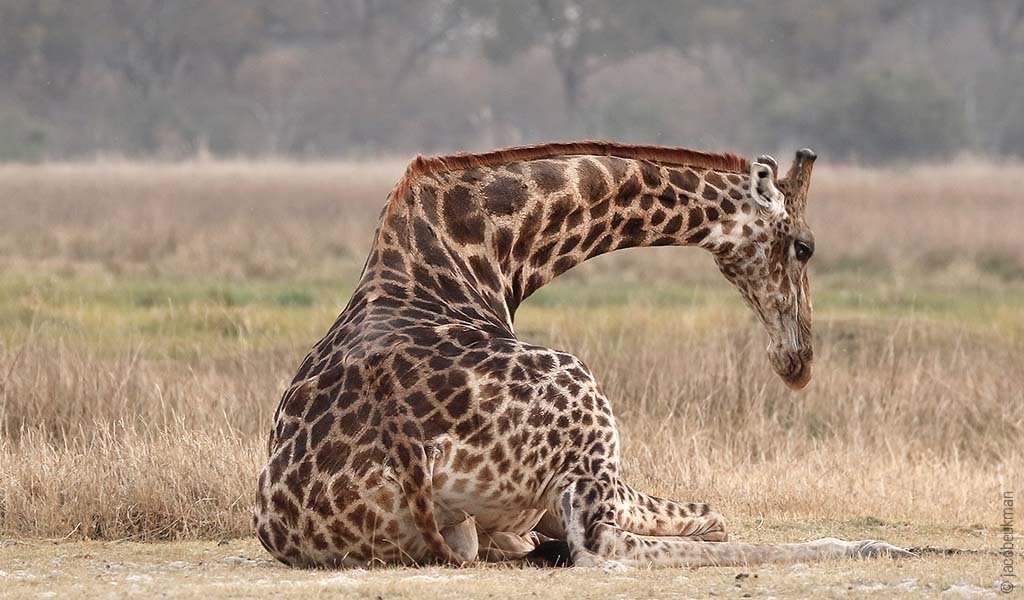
[661, 154]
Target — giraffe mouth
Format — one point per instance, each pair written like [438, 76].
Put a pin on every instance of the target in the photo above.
[799, 379]
[793, 367]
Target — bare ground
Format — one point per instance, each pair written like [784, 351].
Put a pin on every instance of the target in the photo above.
[241, 569]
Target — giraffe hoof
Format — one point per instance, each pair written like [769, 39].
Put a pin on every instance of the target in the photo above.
[462, 538]
[875, 548]
[586, 560]
[590, 560]
[613, 566]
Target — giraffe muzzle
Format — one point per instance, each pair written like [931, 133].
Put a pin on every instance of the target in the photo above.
[793, 366]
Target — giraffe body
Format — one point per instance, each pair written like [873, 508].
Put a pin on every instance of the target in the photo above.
[420, 428]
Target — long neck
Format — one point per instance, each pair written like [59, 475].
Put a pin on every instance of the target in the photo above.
[489, 237]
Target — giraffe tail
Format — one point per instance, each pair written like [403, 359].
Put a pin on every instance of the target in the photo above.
[418, 487]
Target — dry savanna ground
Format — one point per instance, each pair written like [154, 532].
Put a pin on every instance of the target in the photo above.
[150, 316]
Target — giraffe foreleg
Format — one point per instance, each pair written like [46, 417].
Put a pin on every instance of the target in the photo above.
[640, 513]
[595, 539]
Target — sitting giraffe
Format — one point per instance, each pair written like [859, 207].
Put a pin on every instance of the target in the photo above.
[420, 428]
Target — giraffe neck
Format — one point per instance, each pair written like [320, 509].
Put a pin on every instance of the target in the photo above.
[480, 241]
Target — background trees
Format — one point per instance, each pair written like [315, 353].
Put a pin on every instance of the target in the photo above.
[867, 80]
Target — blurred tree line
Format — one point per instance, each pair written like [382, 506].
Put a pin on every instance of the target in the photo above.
[862, 80]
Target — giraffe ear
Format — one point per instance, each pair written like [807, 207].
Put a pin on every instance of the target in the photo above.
[767, 159]
[763, 189]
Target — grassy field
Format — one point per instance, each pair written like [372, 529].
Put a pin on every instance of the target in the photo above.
[150, 316]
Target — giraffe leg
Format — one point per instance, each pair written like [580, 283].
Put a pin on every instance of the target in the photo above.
[637, 512]
[594, 539]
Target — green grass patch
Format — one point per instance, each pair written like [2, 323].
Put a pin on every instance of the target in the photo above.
[186, 315]
[172, 317]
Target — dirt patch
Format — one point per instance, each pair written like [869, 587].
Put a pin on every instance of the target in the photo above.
[239, 569]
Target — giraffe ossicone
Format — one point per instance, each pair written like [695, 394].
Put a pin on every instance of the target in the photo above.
[420, 428]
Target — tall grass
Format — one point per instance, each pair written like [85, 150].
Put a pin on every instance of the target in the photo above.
[151, 315]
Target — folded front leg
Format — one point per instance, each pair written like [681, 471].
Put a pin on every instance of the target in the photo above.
[637, 512]
[594, 538]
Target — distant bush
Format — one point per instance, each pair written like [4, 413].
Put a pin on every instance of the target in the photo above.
[880, 113]
[1001, 263]
[22, 139]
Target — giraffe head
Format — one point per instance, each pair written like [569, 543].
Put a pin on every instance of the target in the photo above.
[766, 259]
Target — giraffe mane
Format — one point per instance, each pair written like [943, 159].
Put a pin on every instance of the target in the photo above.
[668, 155]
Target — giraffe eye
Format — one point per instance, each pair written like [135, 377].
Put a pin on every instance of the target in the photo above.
[803, 250]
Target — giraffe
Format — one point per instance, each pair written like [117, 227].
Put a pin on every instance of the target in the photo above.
[420, 428]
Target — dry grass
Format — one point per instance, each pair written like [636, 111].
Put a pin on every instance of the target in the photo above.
[924, 431]
[922, 218]
[222, 220]
[150, 316]
[301, 221]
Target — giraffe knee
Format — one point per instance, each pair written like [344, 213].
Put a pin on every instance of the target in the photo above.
[714, 536]
[712, 528]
